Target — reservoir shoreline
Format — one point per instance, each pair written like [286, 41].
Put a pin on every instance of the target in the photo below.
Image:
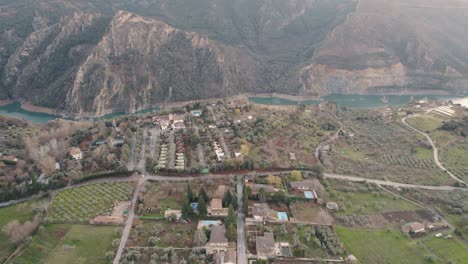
[38, 114]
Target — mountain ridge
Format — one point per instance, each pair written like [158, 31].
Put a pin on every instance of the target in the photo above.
[78, 57]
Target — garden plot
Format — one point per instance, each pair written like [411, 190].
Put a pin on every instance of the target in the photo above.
[163, 234]
[80, 204]
[310, 212]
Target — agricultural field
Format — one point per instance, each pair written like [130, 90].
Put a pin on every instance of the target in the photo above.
[22, 212]
[454, 156]
[376, 146]
[381, 246]
[275, 132]
[355, 198]
[446, 250]
[80, 204]
[426, 123]
[68, 244]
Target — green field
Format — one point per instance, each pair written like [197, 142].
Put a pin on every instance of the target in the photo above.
[447, 250]
[423, 153]
[80, 204]
[369, 203]
[381, 246]
[68, 244]
[426, 123]
[21, 212]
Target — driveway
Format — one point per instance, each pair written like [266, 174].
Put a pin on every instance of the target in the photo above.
[241, 247]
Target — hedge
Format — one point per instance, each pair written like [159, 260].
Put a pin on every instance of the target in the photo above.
[108, 174]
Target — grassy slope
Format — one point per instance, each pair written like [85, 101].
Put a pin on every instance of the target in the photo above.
[83, 244]
[21, 212]
[447, 249]
[68, 244]
[380, 246]
[371, 203]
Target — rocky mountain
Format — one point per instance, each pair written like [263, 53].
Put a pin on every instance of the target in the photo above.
[93, 57]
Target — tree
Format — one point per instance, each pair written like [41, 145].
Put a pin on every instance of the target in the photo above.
[231, 233]
[231, 218]
[187, 210]
[110, 255]
[274, 180]
[190, 194]
[227, 199]
[203, 194]
[200, 238]
[317, 170]
[202, 211]
[234, 202]
[262, 194]
[115, 243]
[152, 240]
[296, 175]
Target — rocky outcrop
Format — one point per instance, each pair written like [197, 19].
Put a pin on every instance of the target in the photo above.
[141, 62]
[393, 46]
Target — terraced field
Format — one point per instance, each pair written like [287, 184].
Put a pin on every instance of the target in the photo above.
[58, 244]
[455, 158]
[80, 204]
[380, 147]
[42, 244]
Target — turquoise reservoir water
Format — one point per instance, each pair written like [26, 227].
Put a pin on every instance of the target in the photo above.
[15, 110]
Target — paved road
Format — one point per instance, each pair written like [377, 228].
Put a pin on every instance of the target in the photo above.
[241, 247]
[389, 183]
[131, 161]
[434, 149]
[128, 225]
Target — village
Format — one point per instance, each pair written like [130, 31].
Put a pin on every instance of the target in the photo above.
[229, 182]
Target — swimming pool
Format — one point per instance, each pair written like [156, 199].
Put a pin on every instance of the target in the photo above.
[308, 195]
[283, 216]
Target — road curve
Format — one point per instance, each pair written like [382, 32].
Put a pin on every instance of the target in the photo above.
[434, 149]
[394, 184]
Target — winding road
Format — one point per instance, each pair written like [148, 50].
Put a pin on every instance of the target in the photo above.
[434, 149]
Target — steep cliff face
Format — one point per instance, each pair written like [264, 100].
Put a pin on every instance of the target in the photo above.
[41, 68]
[393, 46]
[86, 57]
[141, 61]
